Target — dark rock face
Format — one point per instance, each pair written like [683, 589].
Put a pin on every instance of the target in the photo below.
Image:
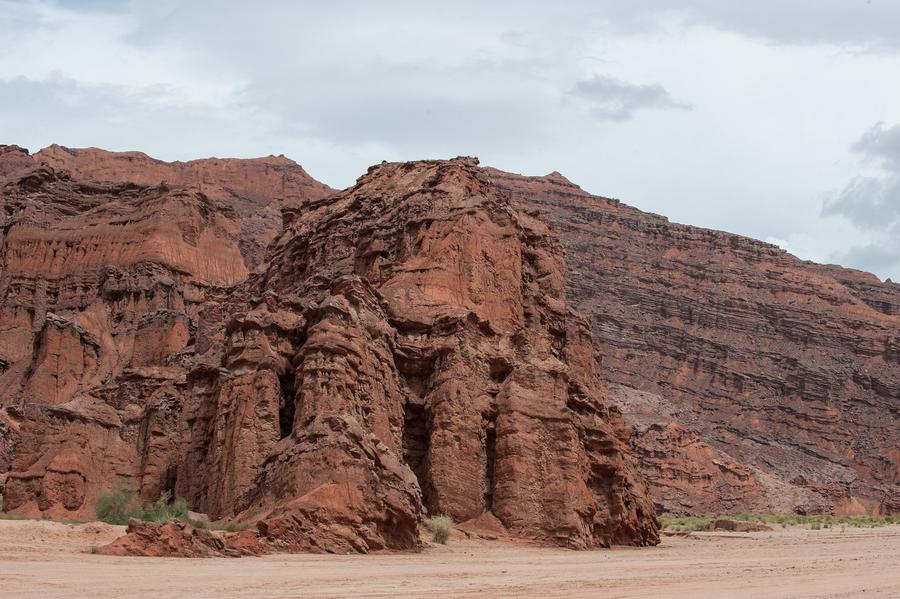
[781, 376]
[405, 347]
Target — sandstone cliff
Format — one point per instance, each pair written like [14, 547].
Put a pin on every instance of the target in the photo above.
[419, 324]
[756, 381]
[405, 347]
[101, 284]
[255, 189]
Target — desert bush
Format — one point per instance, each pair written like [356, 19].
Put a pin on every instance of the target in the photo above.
[5, 516]
[441, 528]
[814, 521]
[164, 509]
[116, 506]
[119, 505]
[685, 523]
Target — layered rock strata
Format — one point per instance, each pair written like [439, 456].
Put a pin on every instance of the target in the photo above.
[412, 336]
[101, 287]
[255, 190]
[756, 381]
[405, 348]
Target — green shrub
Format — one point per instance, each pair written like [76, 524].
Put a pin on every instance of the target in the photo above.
[814, 521]
[5, 516]
[164, 509]
[685, 523]
[441, 528]
[116, 506]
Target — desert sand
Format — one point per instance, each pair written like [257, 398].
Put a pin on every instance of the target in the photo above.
[43, 559]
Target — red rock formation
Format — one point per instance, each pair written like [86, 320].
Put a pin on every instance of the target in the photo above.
[255, 189]
[786, 370]
[405, 347]
[414, 336]
[179, 539]
[100, 290]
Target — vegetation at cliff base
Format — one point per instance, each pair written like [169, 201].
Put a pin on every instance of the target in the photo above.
[119, 505]
[441, 528]
[814, 522]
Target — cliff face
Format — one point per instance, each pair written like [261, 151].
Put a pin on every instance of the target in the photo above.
[405, 347]
[255, 190]
[754, 380]
[100, 288]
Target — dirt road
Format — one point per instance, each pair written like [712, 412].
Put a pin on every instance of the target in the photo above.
[46, 559]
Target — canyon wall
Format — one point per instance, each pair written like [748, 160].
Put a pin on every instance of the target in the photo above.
[255, 190]
[101, 287]
[755, 380]
[405, 347]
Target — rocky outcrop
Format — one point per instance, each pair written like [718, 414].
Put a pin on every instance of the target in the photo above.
[756, 380]
[408, 346]
[255, 190]
[179, 539]
[413, 335]
[405, 348]
[101, 287]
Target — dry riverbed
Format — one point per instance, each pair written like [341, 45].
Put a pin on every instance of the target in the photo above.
[43, 559]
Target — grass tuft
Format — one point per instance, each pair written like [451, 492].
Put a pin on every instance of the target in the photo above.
[116, 506]
[119, 505]
[441, 528]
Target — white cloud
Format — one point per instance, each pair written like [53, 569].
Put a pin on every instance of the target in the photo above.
[46, 42]
[871, 203]
[778, 91]
[608, 98]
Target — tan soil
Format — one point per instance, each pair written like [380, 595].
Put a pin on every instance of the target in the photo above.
[46, 559]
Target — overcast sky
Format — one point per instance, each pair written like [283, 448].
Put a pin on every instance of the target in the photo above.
[777, 119]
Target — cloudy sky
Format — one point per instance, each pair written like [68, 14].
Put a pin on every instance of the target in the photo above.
[777, 119]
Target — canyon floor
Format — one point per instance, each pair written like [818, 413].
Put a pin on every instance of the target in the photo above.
[44, 559]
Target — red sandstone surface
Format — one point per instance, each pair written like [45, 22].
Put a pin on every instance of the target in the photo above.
[408, 346]
[255, 190]
[404, 348]
[755, 380]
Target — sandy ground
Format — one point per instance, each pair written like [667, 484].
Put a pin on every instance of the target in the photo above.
[47, 559]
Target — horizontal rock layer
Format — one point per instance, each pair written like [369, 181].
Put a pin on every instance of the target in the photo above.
[404, 348]
[755, 380]
[255, 190]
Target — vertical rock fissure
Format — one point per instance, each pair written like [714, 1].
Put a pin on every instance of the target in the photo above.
[490, 457]
[416, 444]
[287, 404]
[170, 481]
